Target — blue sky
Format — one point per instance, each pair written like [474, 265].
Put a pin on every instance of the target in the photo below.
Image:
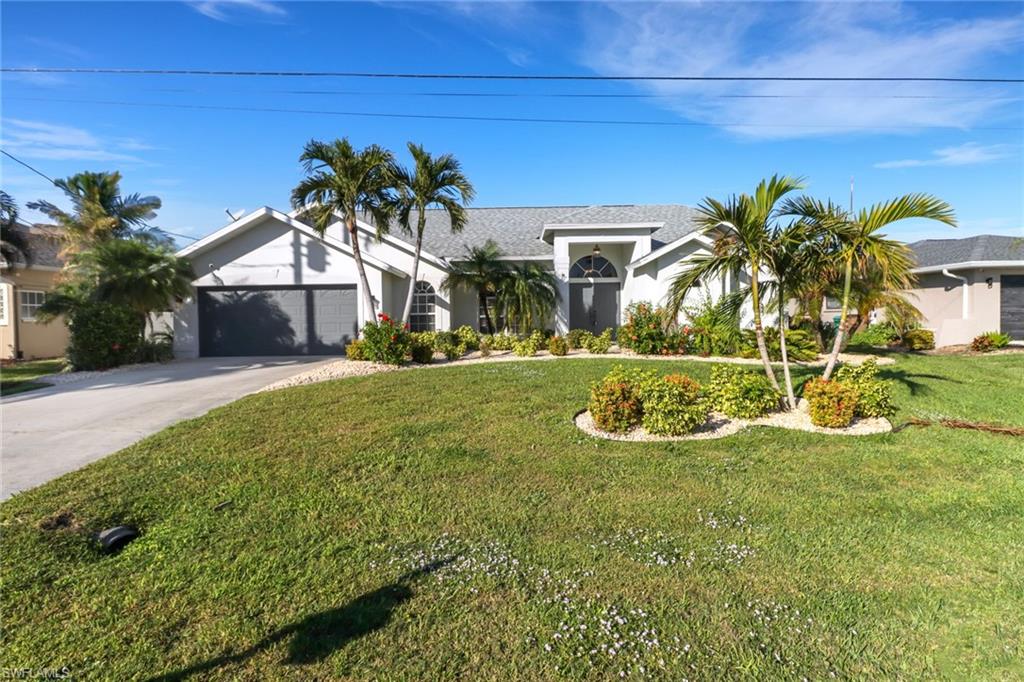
[963, 142]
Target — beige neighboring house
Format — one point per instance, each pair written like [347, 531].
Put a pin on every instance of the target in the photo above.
[23, 288]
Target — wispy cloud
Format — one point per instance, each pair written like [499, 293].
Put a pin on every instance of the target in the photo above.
[56, 46]
[227, 10]
[837, 39]
[968, 154]
[55, 142]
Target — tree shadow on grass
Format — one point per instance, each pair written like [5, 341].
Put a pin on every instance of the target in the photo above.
[319, 635]
[910, 380]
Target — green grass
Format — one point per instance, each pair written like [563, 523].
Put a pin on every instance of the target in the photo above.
[767, 555]
[21, 376]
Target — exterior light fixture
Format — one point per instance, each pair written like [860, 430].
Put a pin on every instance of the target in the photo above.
[597, 251]
[988, 281]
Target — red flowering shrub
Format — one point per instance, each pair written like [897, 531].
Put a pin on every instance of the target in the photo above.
[386, 340]
[832, 403]
[615, 404]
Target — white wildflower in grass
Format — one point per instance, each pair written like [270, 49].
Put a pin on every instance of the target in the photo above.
[648, 547]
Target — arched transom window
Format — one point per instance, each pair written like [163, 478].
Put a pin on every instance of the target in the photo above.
[592, 266]
[423, 302]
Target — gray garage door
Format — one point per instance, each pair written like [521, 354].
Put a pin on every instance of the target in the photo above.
[296, 320]
[1011, 305]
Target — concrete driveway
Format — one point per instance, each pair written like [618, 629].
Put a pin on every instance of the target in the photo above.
[51, 431]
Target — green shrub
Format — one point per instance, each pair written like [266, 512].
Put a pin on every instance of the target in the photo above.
[714, 328]
[485, 346]
[356, 350]
[577, 338]
[428, 339]
[989, 341]
[103, 335]
[644, 331]
[599, 345]
[672, 405]
[452, 351]
[558, 346]
[421, 351]
[832, 404]
[529, 346]
[800, 345]
[615, 402]
[468, 337]
[875, 395]
[740, 393]
[919, 339]
[386, 340]
[500, 341]
[875, 335]
[157, 348]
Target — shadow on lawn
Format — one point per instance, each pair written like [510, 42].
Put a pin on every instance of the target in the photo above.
[317, 636]
[909, 379]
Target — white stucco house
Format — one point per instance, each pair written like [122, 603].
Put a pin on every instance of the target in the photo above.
[267, 284]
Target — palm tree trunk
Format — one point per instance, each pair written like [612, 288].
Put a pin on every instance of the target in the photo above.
[785, 356]
[758, 329]
[487, 313]
[371, 312]
[407, 311]
[838, 343]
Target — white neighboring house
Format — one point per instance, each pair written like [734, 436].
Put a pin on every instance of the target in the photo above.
[267, 284]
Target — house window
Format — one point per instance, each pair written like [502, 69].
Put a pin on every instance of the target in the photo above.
[832, 303]
[423, 303]
[496, 317]
[592, 266]
[30, 302]
[3, 305]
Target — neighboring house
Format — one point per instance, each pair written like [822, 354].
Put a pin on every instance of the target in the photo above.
[23, 288]
[970, 286]
[268, 285]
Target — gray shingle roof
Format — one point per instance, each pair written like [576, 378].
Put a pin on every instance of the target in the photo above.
[516, 230]
[990, 247]
[44, 245]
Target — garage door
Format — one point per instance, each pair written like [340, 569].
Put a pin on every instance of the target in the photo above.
[294, 320]
[1011, 306]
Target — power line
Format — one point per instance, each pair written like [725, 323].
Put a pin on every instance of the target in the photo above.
[53, 182]
[504, 77]
[498, 119]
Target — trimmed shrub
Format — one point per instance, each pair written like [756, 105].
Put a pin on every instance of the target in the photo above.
[157, 348]
[875, 395]
[833, 404]
[577, 338]
[386, 340]
[615, 402]
[672, 405]
[468, 337]
[529, 346]
[800, 345]
[485, 346]
[989, 341]
[103, 335]
[919, 339]
[741, 393]
[422, 352]
[501, 341]
[644, 330]
[599, 345]
[356, 350]
[558, 346]
[875, 335]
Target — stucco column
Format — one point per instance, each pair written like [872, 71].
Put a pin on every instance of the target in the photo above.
[561, 264]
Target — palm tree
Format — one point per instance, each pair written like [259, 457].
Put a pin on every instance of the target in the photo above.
[100, 211]
[135, 273]
[528, 294]
[483, 270]
[433, 182]
[745, 222]
[869, 291]
[13, 242]
[859, 240]
[343, 181]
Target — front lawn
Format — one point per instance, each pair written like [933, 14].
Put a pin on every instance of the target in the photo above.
[452, 523]
[21, 376]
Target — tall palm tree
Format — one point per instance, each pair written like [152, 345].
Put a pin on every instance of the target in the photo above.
[100, 211]
[528, 294]
[482, 270]
[744, 223]
[869, 291]
[13, 242]
[343, 181]
[859, 240]
[432, 182]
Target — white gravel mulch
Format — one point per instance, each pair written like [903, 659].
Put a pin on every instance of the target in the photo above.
[720, 426]
[353, 368]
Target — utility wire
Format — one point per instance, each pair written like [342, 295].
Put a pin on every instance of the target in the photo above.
[500, 119]
[503, 77]
[52, 182]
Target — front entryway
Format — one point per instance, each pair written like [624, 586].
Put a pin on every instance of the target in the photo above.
[594, 306]
[288, 320]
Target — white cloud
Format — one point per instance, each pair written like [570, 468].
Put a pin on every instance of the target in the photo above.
[968, 154]
[223, 10]
[772, 39]
[55, 142]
